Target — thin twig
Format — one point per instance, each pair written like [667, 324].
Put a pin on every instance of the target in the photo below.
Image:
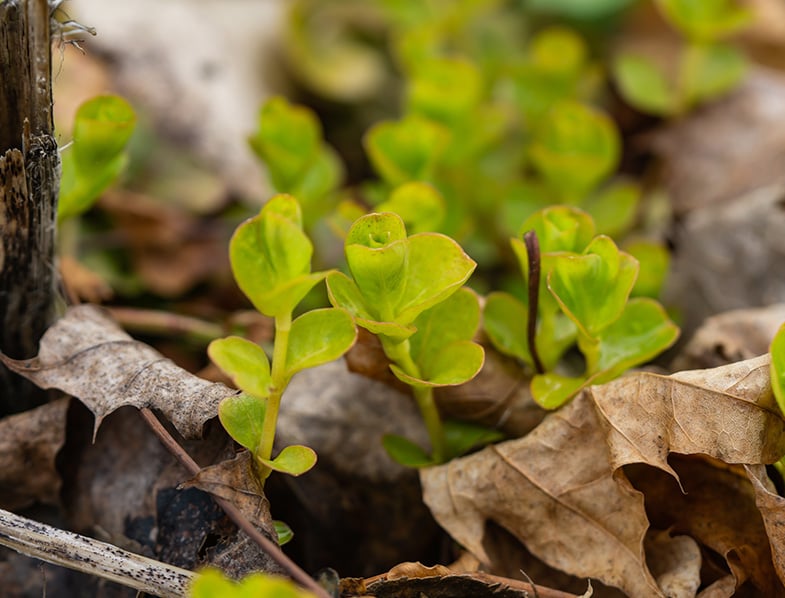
[533, 253]
[81, 553]
[162, 322]
[272, 549]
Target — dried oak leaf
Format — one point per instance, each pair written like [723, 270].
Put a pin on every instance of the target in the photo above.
[29, 443]
[560, 490]
[86, 355]
[716, 507]
[235, 481]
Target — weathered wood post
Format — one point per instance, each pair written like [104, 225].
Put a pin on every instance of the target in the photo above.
[29, 180]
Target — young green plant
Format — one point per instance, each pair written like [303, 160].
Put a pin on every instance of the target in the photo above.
[579, 295]
[97, 155]
[271, 261]
[408, 291]
[707, 66]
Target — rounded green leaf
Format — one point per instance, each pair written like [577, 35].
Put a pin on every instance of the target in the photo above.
[556, 333]
[654, 259]
[294, 460]
[505, 320]
[710, 71]
[271, 258]
[644, 86]
[642, 332]
[376, 252]
[575, 147]
[593, 288]
[420, 205]
[242, 417]
[777, 350]
[406, 150]
[286, 206]
[288, 139]
[705, 20]
[79, 190]
[102, 129]
[244, 362]
[437, 267]
[454, 364]
[558, 51]
[405, 452]
[283, 531]
[343, 292]
[559, 228]
[460, 437]
[317, 337]
[444, 89]
[551, 391]
[454, 319]
[613, 208]
[322, 176]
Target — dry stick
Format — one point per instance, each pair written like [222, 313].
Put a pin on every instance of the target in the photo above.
[233, 512]
[533, 253]
[156, 322]
[90, 556]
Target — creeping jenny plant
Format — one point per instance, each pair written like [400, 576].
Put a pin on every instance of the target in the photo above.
[97, 155]
[582, 299]
[707, 67]
[408, 291]
[271, 261]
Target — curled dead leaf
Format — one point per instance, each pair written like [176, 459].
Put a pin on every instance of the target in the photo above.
[728, 413]
[561, 490]
[86, 355]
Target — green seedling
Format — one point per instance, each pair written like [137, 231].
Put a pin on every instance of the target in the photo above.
[211, 583]
[97, 155]
[579, 295]
[574, 148]
[271, 261]
[555, 68]
[466, 63]
[408, 290]
[777, 350]
[289, 140]
[707, 67]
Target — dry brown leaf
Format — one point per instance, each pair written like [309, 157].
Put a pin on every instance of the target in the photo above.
[235, 481]
[560, 490]
[731, 336]
[29, 443]
[728, 413]
[564, 504]
[717, 508]
[88, 356]
[772, 508]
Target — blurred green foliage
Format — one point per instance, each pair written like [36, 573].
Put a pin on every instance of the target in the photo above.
[96, 157]
[500, 109]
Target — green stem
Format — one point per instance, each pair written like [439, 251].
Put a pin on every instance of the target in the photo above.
[400, 354]
[283, 325]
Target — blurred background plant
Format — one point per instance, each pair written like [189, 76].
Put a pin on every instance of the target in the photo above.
[476, 114]
[464, 117]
